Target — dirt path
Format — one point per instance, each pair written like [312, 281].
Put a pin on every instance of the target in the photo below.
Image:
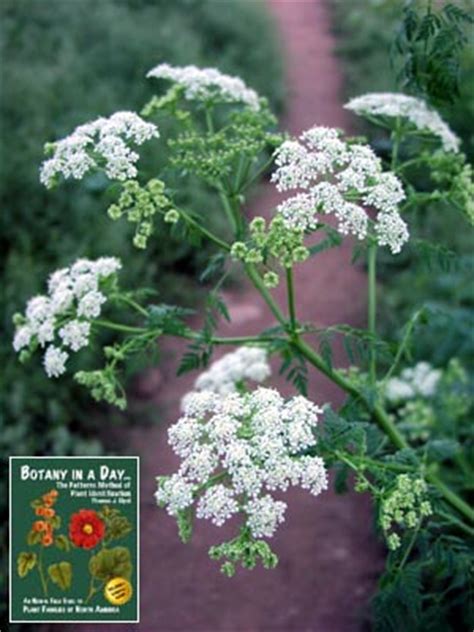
[329, 560]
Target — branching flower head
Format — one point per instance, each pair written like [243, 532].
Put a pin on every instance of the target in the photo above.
[401, 106]
[341, 179]
[235, 449]
[207, 84]
[404, 507]
[61, 319]
[103, 143]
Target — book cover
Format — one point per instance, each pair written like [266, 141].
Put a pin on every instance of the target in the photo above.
[74, 552]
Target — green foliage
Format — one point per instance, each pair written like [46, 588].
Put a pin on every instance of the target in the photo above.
[428, 46]
[61, 574]
[109, 563]
[243, 549]
[26, 563]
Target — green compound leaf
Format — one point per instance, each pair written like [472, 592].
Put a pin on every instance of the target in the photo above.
[110, 563]
[25, 563]
[61, 575]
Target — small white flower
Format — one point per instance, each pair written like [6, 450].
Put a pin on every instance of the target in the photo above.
[75, 334]
[55, 361]
[23, 336]
[105, 138]
[176, 493]
[313, 474]
[264, 516]
[246, 363]
[207, 84]
[217, 504]
[73, 300]
[422, 380]
[417, 111]
[38, 309]
[45, 332]
[199, 463]
[356, 179]
[90, 304]
[254, 440]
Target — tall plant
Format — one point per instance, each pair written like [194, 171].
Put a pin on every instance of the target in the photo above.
[238, 442]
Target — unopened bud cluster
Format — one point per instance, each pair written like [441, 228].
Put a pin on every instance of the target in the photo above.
[140, 204]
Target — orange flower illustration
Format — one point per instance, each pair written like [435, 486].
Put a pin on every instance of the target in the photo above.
[86, 529]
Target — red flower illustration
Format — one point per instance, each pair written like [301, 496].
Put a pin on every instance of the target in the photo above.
[86, 529]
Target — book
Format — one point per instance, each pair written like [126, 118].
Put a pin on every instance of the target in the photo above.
[74, 539]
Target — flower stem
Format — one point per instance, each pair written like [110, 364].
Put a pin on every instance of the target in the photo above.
[257, 280]
[291, 300]
[372, 310]
[44, 581]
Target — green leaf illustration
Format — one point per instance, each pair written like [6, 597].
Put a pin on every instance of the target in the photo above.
[62, 542]
[25, 563]
[56, 522]
[33, 537]
[117, 525]
[61, 574]
[110, 563]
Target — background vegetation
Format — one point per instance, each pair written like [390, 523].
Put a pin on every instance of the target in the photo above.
[367, 33]
[63, 65]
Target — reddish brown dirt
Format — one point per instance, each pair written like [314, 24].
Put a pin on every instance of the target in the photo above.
[329, 559]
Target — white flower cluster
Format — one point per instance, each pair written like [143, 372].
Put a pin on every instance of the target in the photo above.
[356, 178]
[207, 84]
[237, 448]
[417, 111]
[420, 380]
[73, 300]
[100, 143]
[224, 375]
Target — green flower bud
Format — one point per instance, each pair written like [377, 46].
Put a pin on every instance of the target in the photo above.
[238, 250]
[300, 254]
[139, 241]
[253, 256]
[114, 211]
[257, 225]
[172, 216]
[271, 279]
[393, 542]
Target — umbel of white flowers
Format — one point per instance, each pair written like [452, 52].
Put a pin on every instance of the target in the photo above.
[103, 143]
[237, 448]
[418, 381]
[75, 298]
[401, 106]
[231, 371]
[339, 178]
[207, 84]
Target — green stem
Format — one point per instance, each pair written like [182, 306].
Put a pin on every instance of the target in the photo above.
[409, 549]
[120, 327]
[395, 145]
[456, 521]
[291, 300]
[451, 496]
[267, 297]
[128, 301]
[228, 211]
[209, 121]
[207, 233]
[44, 581]
[372, 309]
